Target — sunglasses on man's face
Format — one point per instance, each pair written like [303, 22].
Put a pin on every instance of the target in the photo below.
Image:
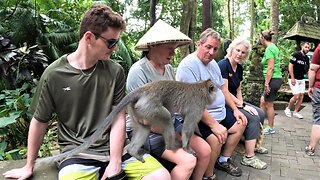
[110, 43]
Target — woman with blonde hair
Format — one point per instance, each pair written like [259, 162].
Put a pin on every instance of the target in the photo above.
[232, 73]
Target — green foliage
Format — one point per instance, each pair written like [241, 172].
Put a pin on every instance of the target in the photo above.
[49, 143]
[287, 48]
[13, 154]
[19, 65]
[262, 16]
[293, 10]
[14, 116]
[122, 56]
[14, 124]
[3, 146]
[218, 17]
[19, 29]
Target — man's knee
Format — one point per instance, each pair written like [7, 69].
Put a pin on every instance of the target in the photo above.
[237, 128]
[214, 143]
[269, 104]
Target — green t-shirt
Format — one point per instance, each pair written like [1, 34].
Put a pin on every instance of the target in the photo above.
[80, 102]
[272, 52]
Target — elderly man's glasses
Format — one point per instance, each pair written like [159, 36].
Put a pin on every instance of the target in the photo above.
[110, 43]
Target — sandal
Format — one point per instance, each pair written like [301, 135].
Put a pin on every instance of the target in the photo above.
[213, 177]
[261, 150]
[309, 151]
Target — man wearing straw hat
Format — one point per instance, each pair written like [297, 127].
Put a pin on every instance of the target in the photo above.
[201, 65]
[158, 46]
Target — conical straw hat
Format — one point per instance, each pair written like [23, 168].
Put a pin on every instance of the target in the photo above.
[159, 33]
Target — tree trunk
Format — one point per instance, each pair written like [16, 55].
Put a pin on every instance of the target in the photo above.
[206, 14]
[152, 12]
[274, 19]
[193, 27]
[188, 23]
[253, 21]
[231, 12]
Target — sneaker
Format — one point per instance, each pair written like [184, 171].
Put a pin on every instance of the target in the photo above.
[254, 162]
[288, 113]
[229, 167]
[261, 150]
[297, 115]
[213, 177]
[309, 151]
[269, 131]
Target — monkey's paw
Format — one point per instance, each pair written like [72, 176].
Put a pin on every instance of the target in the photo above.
[189, 150]
[174, 146]
[138, 155]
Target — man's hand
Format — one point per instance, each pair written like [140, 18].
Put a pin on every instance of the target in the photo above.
[111, 170]
[241, 118]
[293, 81]
[220, 132]
[310, 92]
[20, 174]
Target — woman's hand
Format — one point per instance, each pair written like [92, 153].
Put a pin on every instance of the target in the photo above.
[267, 89]
[251, 110]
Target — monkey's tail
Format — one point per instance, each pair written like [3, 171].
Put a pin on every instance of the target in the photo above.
[131, 97]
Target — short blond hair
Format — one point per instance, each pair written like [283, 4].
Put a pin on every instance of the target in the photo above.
[237, 42]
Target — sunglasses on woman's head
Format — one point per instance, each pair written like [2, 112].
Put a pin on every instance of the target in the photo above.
[110, 43]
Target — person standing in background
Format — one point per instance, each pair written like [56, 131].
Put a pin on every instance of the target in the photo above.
[273, 78]
[314, 94]
[299, 63]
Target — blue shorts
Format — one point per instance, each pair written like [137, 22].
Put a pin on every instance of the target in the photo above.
[228, 122]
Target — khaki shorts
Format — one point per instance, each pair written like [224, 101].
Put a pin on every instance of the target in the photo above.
[299, 87]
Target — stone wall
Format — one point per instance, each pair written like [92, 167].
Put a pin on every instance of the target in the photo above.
[253, 84]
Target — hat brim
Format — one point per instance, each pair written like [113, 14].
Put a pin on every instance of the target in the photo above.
[161, 33]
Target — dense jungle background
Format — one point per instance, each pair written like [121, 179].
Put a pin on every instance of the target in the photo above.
[33, 33]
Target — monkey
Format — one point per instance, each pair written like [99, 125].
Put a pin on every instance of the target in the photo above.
[153, 104]
[307, 19]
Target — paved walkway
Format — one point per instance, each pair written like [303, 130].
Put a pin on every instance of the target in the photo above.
[286, 158]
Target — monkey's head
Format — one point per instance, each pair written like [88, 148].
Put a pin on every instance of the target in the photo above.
[212, 89]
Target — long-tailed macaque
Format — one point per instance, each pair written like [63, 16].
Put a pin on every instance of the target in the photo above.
[152, 105]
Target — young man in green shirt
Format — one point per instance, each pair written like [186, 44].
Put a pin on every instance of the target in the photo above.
[82, 88]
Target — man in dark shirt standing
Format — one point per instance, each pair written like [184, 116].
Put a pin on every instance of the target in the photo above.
[299, 63]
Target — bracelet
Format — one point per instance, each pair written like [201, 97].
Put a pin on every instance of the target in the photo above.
[243, 105]
[266, 85]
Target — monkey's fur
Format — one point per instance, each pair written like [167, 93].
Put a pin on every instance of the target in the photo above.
[241, 145]
[153, 104]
